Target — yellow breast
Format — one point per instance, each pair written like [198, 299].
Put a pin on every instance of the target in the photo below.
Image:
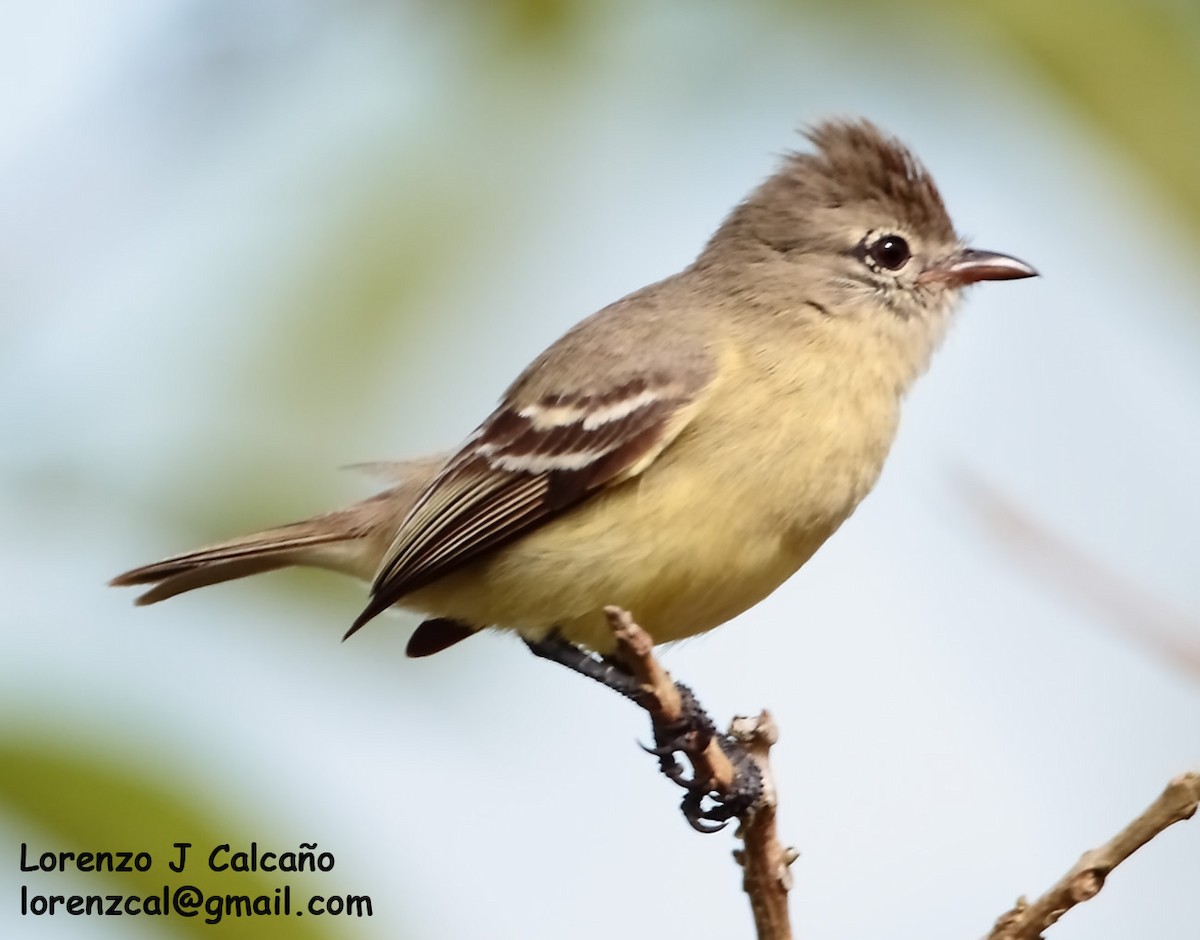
[737, 503]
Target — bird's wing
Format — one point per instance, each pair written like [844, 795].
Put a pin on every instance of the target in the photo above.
[534, 458]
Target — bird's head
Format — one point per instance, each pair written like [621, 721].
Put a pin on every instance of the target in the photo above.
[856, 226]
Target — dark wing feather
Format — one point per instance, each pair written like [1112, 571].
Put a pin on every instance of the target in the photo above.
[525, 465]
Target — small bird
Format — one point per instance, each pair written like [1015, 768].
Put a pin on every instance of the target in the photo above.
[683, 451]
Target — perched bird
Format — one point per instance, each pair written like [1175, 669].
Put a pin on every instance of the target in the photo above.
[681, 452]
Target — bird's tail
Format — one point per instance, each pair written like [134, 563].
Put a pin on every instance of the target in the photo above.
[331, 541]
[350, 540]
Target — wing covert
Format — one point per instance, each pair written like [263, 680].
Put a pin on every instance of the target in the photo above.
[526, 464]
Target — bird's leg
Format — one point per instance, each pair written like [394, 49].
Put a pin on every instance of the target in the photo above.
[607, 671]
[684, 728]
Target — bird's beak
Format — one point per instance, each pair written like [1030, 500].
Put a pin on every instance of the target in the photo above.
[968, 265]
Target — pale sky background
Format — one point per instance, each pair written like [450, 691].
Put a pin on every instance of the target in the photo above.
[197, 198]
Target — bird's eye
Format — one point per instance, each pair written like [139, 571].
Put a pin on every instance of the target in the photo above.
[889, 251]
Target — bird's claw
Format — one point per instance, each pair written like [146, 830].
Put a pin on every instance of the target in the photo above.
[706, 808]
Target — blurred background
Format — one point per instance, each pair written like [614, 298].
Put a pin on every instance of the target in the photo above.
[244, 242]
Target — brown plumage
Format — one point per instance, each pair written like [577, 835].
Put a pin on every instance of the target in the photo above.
[686, 449]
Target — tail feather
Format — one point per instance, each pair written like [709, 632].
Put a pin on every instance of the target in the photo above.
[350, 540]
[205, 574]
[324, 542]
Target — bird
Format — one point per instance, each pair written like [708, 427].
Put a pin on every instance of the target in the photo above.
[683, 451]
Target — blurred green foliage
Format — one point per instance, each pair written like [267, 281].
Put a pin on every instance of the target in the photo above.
[1132, 69]
[1129, 67]
[75, 803]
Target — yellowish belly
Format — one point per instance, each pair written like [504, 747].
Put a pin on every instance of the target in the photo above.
[729, 511]
[676, 547]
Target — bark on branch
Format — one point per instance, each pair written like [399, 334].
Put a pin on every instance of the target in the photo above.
[1026, 920]
[766, 872]
[766, 875]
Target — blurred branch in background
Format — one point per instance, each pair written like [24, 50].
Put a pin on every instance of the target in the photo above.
[1171, 633]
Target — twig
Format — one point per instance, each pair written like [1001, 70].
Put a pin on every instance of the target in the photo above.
[662, 701]
[766, 877]
[766, 864]
[1026, 921]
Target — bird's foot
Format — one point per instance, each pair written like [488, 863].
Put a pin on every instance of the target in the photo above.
[708, 804]
[723, 782]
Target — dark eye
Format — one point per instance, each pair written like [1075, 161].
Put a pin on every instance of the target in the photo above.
[889, 251]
